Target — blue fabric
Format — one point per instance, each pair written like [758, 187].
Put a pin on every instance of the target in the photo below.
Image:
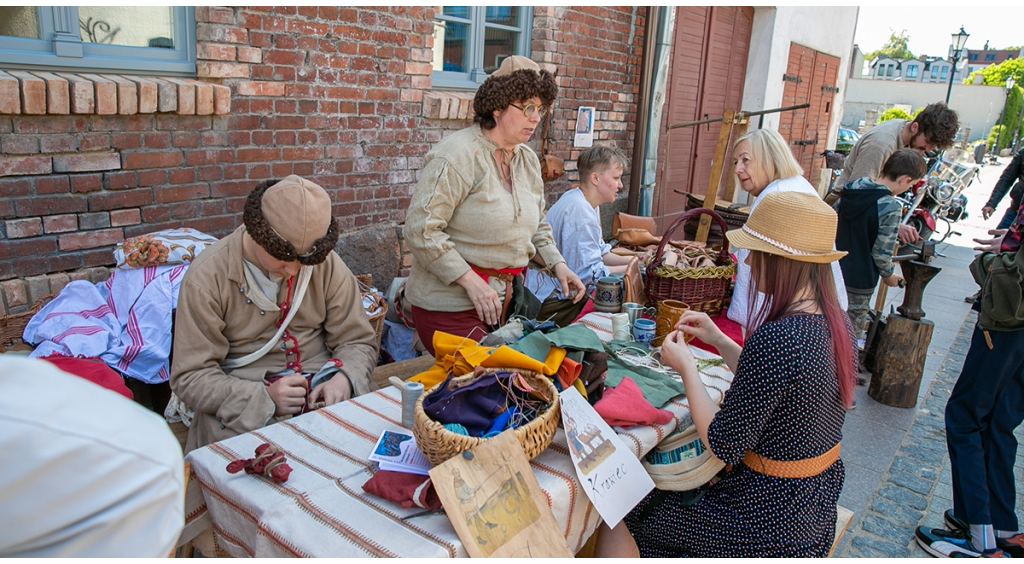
[984, 408]
[474, 405]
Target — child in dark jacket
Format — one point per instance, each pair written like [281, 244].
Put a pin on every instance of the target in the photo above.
[869, 218]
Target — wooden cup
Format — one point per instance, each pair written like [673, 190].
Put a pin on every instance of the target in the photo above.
[669, 312]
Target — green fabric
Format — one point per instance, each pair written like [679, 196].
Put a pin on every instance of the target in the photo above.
[657, 388]
[579, 337]
[534, 345]
[1001, 277]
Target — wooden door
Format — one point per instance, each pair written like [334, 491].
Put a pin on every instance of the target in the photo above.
[810, 79]
[708, 70]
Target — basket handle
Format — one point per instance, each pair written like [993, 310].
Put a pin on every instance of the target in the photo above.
[681, 220]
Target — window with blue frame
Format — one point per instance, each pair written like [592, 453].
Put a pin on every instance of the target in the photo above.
[138, 39]
[471, 41]
[944, 73]
[912, 71]
[990, 56]
[935, 72]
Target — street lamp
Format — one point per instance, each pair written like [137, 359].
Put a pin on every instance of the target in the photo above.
[1002, 117]
[959, 40]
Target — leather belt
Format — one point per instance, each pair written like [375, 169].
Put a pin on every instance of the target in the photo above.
[507, 275]
[791, 468]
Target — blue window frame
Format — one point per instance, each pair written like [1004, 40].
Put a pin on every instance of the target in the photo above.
[471, 41]
[912, 71]
[139, 39]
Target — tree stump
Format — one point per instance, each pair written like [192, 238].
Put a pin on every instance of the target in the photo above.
[899, 361]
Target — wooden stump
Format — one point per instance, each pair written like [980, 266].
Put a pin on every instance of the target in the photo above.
[899, 361]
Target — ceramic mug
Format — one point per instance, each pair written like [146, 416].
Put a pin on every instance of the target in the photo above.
[643, 330]
[669, 312]
[608, 297]
[636, 311]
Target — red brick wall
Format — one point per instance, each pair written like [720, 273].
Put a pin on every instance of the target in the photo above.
[334, 94]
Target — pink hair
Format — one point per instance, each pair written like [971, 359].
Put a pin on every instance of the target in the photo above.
[782, 280]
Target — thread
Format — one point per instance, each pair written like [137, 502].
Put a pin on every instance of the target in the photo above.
[620, 327]
[411, 392]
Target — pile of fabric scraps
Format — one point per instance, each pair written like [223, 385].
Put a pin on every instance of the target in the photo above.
[486, 405]
[625, 406]
[658, 383]
[269, 462]
[373, 300]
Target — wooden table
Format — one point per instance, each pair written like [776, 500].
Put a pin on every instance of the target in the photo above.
[322, 510]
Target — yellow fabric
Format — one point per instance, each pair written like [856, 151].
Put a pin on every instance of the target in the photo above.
[459, 355]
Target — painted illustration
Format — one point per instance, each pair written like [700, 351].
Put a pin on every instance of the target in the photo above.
[587, 444]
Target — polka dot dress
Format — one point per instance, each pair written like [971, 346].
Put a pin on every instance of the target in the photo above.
[784, 405]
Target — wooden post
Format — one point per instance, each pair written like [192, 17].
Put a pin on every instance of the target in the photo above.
[717, 165]
[742, 121]
[899, 361]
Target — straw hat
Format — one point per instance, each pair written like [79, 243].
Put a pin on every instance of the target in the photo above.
[794, 225]
[681, 462]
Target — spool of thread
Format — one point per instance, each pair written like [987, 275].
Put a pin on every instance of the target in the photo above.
[620, 327]
[411, 392]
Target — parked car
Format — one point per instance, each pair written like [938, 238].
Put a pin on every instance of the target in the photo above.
[846, 139]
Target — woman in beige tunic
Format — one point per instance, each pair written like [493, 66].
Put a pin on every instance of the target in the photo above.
[476, 219]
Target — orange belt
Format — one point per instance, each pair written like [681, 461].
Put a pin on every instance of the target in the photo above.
[506, 275]
[791, 468]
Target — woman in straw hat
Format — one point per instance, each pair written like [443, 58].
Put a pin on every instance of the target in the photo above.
[780, 423]
[763, 165]
[476, 218]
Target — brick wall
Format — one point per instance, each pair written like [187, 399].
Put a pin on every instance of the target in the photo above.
[340, 95]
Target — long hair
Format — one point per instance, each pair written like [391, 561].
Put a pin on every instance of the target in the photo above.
[771, 152]
[781, 280]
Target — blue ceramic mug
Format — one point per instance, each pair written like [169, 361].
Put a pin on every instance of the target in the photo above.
[643, 330]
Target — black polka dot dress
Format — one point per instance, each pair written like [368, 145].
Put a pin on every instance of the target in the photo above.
[784, 405]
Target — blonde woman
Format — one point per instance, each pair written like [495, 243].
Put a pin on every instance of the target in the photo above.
[764, 164]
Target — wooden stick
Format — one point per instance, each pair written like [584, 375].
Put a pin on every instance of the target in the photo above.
[717, 165]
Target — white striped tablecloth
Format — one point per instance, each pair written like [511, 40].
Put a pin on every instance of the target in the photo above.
[322, 510]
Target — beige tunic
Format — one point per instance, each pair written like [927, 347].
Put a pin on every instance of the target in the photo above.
[217, 319]
[460, 214]
[872, 150]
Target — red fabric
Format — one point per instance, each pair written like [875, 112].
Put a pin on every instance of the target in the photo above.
[269, 462]
[409, 490]
[487, 277]
[586, 309]
[461, 323]
[92, 369]
[625, 406]
[568, 372]
[731, 329]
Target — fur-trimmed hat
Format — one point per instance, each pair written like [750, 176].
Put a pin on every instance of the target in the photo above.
[291, 220]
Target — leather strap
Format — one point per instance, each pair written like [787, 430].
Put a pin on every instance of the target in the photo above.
[791, 468]
[506, 275]
[304, 275]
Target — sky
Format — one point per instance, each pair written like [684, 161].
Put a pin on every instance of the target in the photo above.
[930, 27]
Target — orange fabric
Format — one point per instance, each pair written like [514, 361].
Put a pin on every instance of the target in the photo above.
[460, 355]
[569, 372]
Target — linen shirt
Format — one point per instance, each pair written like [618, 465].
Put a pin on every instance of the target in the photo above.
[738, 306]
[461, 214]
[576, 230]
[218, 318]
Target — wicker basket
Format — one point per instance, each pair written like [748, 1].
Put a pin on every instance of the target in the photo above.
[703, 289]
[13, 325]
[377, 322]
[439, 444]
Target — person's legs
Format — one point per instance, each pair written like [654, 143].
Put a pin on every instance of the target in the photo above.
[859, 301]
[1001, 451]
[615, 543]
[968, 417]
[461, 323]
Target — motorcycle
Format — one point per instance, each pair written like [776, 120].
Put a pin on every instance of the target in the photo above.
[939, 197]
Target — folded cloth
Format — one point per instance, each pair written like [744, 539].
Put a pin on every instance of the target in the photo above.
[625, 406]
[407, 490]
[92, 369]
[474, 405]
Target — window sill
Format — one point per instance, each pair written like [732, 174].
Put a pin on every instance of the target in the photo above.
[61, 93]
[448, 105]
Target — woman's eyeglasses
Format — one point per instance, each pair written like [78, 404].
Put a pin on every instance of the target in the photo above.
[530, 109]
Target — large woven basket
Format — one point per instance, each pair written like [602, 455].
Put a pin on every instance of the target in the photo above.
[439, 444]
[13, 325]
[703, 289]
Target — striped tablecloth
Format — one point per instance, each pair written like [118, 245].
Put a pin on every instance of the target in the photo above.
[322, 510]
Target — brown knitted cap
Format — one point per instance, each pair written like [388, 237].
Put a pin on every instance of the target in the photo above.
[515, 63]
[292, 220]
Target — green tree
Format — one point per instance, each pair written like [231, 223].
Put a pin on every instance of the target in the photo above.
[996, 75]
[1009, 119]
[894, 48]
[893, 113]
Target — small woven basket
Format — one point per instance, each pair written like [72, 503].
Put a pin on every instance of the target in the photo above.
[439, 444]
[703, 289]
[13, 325]
[376, 320]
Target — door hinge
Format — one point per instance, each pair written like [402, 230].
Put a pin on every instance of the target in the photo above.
[792, 78]
[827, 88]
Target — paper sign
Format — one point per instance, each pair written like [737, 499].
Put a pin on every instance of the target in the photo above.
[495, 503]
[397, 451]
[584, 127]
[612, 477]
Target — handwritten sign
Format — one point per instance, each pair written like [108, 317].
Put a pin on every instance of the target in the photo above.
[611, 475]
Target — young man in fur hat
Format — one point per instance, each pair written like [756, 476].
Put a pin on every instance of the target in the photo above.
[233, 364]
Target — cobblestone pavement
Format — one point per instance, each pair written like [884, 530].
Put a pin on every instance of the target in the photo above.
[916, 489]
